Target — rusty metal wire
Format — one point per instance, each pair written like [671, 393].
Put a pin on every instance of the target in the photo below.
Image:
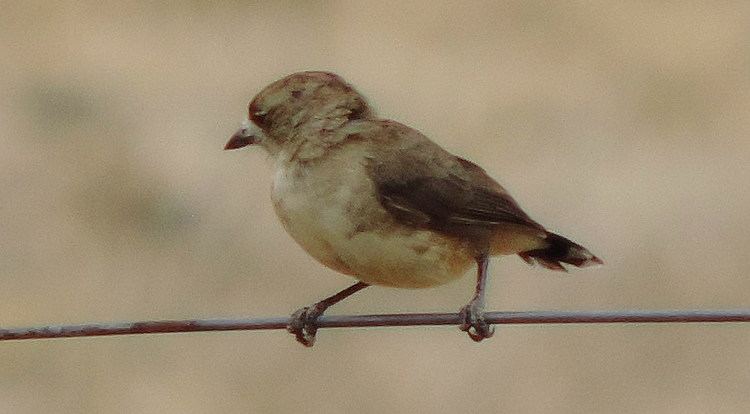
[413, 319]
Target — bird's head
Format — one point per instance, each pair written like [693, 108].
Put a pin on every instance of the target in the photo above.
[290, 108]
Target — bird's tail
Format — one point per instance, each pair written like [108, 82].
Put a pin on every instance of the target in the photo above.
[558, 251]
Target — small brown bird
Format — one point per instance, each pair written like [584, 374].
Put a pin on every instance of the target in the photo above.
[379, 201]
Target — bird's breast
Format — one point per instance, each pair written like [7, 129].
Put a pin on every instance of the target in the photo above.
[330, 207]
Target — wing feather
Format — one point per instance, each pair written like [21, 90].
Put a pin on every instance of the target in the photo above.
[445, 194]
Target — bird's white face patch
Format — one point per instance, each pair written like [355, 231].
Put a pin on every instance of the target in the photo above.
[246, 124]
[249, 128]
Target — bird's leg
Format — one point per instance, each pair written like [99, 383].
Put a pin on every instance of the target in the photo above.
[303, 322]
[472, 314]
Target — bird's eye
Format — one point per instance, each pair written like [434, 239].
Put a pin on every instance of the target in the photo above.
[259, 117]
[296, 94]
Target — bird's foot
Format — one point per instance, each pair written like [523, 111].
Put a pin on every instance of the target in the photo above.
[473, 323]
[303, 324]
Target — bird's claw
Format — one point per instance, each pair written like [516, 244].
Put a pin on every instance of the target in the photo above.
[302, 324]
[473, 323]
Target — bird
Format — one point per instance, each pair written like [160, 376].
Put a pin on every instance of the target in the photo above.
[377, 200]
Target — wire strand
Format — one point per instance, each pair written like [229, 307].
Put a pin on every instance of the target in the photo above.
[350, 321]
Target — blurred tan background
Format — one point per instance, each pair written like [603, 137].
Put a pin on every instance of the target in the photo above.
[623, 125]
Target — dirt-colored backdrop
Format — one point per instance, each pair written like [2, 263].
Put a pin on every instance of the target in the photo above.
[625, 125]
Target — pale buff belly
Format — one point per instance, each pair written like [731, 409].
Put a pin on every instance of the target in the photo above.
[330, 211]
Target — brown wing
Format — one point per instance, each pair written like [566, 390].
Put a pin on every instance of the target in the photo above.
[443, 193]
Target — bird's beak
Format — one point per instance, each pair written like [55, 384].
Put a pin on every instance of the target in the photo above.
[243, 137]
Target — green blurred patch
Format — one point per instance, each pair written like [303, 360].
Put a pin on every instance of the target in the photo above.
[62, 105]
[123, 203]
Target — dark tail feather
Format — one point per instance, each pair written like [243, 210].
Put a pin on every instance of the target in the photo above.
[560, 250]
